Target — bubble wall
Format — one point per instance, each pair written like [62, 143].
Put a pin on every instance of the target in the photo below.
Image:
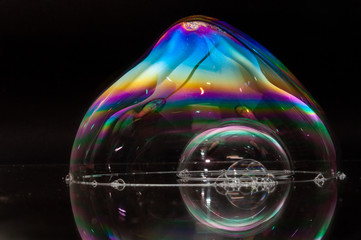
[211, 113]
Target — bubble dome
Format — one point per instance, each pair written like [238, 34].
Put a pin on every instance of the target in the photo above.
[209, 106]
[200, 72]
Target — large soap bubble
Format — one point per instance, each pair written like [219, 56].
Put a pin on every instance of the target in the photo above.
[212, 111]
[201, 71]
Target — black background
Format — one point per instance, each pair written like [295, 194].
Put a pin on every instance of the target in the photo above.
[57, 56]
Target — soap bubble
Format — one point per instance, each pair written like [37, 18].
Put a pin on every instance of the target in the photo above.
[211, 111]
[121, 210]
[221, 146]
[200, 72]
[243, 199]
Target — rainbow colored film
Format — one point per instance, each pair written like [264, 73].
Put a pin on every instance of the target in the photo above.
[199, 73]
[205, 138]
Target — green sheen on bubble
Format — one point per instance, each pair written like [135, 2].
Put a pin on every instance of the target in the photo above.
[207, 104]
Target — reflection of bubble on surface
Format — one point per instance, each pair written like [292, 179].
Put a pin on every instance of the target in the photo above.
[236, 201]
[239, 210]
[150, 208]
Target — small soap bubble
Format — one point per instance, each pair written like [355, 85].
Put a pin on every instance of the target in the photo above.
[341, 175]
[94, 183]
[118, 184]
[319, 180]
[68, 179]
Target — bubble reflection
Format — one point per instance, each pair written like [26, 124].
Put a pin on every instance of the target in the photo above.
[184, 212]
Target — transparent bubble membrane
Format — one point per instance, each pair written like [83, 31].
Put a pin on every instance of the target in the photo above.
[210, 111]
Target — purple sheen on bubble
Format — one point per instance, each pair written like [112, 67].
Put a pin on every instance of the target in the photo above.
[205, 100]
[200, 73]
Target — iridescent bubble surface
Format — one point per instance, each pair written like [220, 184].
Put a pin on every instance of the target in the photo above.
[213, 114]
[287, 211]
[199, 72]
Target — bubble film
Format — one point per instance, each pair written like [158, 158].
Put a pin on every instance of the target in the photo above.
[291, 211]
[201, 71]
[237, 203]
[211, 114]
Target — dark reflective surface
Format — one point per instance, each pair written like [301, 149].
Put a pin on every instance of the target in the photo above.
[35, 204]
